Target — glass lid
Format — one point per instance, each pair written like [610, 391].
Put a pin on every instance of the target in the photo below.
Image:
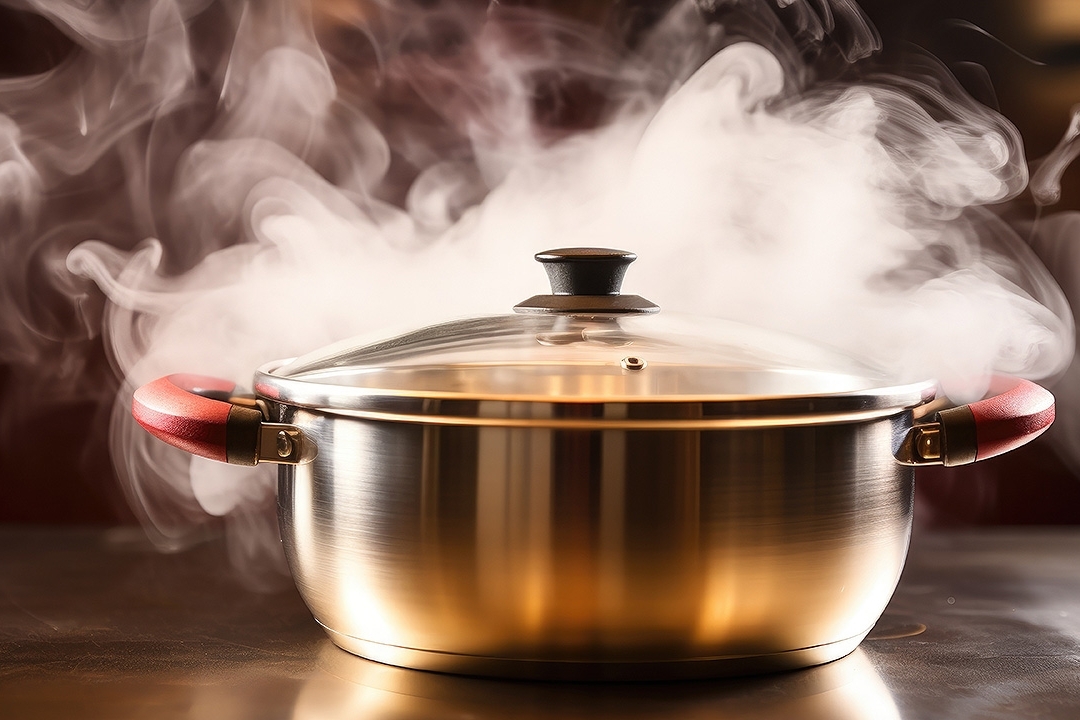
[584, 343]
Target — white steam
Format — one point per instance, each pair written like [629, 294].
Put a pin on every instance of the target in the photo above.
[292, 199]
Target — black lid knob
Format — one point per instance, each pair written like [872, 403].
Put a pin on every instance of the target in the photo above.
[586, 271]
[586, 281]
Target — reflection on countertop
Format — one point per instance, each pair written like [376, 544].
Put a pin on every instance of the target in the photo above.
[346, 686]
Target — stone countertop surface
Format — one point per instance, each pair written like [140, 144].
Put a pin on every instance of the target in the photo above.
[95, 623]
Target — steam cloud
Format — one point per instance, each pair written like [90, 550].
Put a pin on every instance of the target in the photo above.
[260, 179]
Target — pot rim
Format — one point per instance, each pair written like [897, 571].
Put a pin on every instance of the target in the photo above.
[589, 411]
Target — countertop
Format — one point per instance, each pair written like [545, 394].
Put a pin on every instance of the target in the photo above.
[96, 624]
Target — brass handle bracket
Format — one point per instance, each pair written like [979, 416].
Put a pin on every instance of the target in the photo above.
[948, 440]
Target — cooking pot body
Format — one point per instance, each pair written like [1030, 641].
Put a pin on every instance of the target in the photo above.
[535, 551]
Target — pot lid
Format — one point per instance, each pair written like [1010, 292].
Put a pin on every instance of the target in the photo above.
[585, 343]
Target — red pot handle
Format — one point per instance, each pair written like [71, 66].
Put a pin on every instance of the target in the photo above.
[197, 414]
[1015, 416]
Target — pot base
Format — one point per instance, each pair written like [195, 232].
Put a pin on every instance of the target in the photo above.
[523, 669]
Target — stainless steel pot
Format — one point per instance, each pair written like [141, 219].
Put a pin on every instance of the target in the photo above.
[586, 489]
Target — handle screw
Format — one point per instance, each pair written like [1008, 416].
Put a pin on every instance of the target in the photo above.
[284, 444]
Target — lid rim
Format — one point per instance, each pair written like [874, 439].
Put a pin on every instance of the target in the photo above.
[345, 399]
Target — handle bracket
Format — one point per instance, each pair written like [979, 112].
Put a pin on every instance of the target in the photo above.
[280, 443]
[922, 445]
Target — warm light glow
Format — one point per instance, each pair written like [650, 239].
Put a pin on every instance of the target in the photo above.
[1052, 20]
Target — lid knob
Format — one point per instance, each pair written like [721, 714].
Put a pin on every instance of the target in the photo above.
[585, 271]
[586, 281]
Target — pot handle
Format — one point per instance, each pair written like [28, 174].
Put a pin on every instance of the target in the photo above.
[960, 435]
[202, 416]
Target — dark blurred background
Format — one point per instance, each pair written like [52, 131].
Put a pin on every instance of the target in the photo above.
[1021, 57]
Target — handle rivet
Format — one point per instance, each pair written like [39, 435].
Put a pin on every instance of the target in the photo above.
[284, 444]
[928, 442]
[633, 363]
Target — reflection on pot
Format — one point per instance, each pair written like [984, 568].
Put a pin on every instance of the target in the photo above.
[345, 686]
